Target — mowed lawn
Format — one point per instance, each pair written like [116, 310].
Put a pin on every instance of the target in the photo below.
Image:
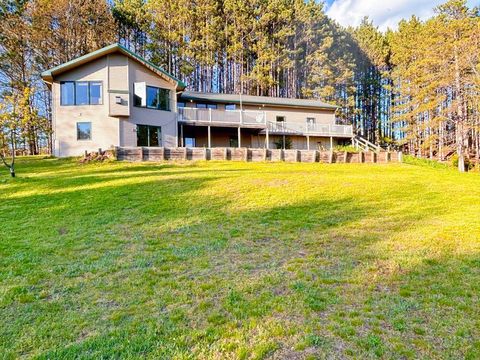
[228, 260]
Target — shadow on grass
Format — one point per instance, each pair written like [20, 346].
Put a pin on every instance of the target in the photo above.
[163, 268]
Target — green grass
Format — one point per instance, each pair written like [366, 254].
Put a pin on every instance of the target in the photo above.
[228, 260]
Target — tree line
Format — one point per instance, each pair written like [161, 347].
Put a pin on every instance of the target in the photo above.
[415, 87]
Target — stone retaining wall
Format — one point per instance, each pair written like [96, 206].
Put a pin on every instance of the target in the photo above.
[256, 155]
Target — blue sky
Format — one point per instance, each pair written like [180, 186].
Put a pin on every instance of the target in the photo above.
[384, 13]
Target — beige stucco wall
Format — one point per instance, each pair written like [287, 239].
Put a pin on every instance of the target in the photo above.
[145, 116]
[294, 115]
[105, 129]
[112, 124]
[118, 85]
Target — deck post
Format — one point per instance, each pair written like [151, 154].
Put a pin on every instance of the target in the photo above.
[209, 137]
[331, 151]
[239, 138]
[181, 135]
[209, 114]
[267, 139]
[308, 142]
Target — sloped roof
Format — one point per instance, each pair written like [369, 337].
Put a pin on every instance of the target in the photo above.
[49, 74]
[256, 100]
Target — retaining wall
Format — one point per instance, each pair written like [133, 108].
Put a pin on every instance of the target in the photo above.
[256, 155]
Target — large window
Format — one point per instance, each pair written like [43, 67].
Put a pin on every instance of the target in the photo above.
[84, 130]
[158, 98]
[95, 92]
[149, 135]
[81, 93]
[67, 93]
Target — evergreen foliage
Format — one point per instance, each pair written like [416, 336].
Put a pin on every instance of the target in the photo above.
[417, 86]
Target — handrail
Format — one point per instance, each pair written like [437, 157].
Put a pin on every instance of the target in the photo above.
[360, 142]
[250, 117]
[310, 129]
[247, 117]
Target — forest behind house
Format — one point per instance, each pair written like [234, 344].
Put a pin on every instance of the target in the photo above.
[416, 87]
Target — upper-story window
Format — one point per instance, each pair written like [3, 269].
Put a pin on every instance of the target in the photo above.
[158, 98]
[81, 93]
[310, 123]
[206, 106]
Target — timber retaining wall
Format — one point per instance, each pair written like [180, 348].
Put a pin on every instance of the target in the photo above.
[255, 155]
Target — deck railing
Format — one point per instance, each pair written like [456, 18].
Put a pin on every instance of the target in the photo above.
[222, 116]
[282, 127]
[258, 119]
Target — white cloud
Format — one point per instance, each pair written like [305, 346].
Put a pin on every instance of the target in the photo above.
[384, 13]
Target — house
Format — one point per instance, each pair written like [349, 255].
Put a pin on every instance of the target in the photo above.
[113, 97]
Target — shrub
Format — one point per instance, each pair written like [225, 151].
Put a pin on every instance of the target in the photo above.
[347, 148]
[279, 144]
[412, 160]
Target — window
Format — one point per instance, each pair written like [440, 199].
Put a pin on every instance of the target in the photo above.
[140, 94]
[206, 106]
[190, 142]
[149, 135]
[310, 123]
[95, 93]
[67, 93]
[230, 106]
[84, 131]
[158, 98]
[280, 123]
[81, 93]
[181, 104]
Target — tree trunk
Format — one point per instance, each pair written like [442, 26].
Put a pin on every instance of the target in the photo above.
[459, 118]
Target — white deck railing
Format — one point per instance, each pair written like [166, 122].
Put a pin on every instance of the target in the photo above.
[222, 116]
[258, 118]
[310, 129]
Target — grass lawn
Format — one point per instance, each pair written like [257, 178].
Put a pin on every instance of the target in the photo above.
[228, 260]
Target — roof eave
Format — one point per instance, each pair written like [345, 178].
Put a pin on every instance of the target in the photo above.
[237, 101]
[49, 75]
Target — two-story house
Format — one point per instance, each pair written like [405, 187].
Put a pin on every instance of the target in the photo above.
[113, 97]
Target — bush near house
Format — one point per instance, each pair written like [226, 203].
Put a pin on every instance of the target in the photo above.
[238, 260]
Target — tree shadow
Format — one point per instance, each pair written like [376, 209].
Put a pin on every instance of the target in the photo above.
[160, 268]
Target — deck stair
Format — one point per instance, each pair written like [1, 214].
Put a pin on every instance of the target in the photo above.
[363, 144]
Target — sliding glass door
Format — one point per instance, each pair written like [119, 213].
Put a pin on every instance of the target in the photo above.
[149, 135]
